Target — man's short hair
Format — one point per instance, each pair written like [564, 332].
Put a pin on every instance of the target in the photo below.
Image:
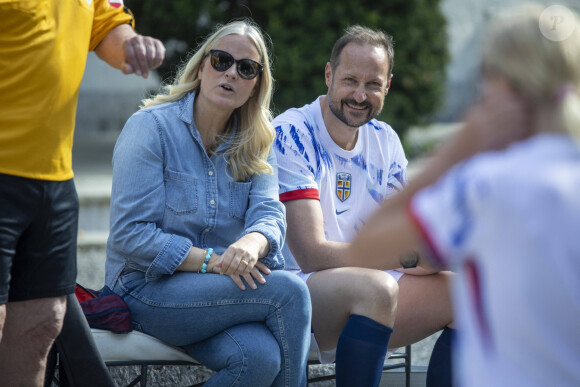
[363, 35]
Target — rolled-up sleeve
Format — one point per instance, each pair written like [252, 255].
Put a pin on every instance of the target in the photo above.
[138, 201]
[267, 215]
[105, 18]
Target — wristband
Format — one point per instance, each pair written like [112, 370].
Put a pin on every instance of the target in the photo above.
[208, 254]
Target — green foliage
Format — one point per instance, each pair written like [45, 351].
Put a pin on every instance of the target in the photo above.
[303, 33]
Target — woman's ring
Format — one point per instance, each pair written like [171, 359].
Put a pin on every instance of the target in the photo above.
[244, 262]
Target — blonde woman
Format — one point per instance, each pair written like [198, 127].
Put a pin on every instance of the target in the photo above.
[196, 225]
[507, 218]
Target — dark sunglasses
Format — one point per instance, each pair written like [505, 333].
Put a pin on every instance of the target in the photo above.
[221, 61]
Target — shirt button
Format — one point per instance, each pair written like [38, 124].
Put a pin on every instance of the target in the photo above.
[206, 230]
[212, 202]
[210, 173]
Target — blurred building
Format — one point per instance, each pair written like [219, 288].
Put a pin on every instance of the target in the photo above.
[108, 98]
[466, 22]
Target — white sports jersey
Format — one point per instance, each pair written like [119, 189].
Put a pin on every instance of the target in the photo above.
[349, 184]
[508, 223]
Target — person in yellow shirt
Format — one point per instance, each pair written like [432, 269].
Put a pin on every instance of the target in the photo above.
[43, 51]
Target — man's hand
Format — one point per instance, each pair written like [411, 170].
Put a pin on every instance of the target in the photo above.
[129, 52]
[142, 53]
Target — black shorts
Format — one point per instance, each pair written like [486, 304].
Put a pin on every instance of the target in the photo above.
[38, 238]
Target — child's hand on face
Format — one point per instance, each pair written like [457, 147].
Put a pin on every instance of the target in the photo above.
[499, 118]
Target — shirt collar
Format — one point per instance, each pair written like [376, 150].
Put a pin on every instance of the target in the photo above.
[186, 115]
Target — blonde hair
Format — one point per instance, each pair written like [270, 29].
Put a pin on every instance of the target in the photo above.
[249, 151]
[543, 71]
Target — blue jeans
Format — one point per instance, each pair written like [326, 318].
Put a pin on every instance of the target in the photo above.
[250, 337]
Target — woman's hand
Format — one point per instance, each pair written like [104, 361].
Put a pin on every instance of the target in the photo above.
[241, 257]
[255, 274]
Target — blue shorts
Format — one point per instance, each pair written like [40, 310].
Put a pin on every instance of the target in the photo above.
[38, 238]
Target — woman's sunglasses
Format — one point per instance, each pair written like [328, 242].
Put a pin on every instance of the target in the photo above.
[221, 61]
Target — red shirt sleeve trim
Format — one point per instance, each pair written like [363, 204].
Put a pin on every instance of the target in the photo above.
[434, 257]
[306, 193]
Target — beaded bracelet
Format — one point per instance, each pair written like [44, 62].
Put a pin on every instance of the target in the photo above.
[208, 254]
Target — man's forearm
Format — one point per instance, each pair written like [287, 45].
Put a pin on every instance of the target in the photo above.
[130, 52]
[112, 47]
[322, 256]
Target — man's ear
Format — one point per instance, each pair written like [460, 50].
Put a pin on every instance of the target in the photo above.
[388, 85]
[328, 74]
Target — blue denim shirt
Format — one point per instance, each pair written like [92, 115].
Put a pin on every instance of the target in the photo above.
[168, 196]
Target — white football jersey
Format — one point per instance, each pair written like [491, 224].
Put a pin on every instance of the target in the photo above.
[509, 224]
[351, 185]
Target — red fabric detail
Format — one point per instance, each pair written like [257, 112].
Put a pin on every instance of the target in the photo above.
[104, 309]
[434, 256]
[115, 3]
[306, 193]
[473, 278]
[84, 294]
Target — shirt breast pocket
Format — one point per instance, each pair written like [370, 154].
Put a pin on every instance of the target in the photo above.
[180, 192]
[239, 199]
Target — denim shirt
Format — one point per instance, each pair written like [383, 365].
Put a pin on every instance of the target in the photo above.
[169, 195]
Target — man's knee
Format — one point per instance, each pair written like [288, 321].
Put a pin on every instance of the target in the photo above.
[50, 322]
[37, 321]
[379, 295]
[389, 294]
[382, 288]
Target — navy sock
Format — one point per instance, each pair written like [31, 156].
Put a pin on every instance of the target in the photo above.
[361, 351]
[439, 372]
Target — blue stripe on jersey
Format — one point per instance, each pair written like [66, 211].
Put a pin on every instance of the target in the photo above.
[360, 162]
[373, 123]
[376, 195]
[278, 141]
[465, 225]
[299, 145]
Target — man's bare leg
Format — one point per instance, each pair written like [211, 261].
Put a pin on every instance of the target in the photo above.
[29, 331]
[354, 311]
[338, 293]
[424, 308]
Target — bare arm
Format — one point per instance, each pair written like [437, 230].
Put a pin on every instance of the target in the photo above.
[195, 259]
[305, 237]
[130, 52]
[385, 240]
[313, 252]
[498, 120]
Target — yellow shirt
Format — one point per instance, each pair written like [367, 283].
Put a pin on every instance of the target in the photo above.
[43, 52]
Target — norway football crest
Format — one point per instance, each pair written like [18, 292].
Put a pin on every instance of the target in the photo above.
[343, 182]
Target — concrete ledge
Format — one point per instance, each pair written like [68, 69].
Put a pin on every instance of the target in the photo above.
[396, 378]
[92, 239]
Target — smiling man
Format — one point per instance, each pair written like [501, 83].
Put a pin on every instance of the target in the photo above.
[337, 164]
